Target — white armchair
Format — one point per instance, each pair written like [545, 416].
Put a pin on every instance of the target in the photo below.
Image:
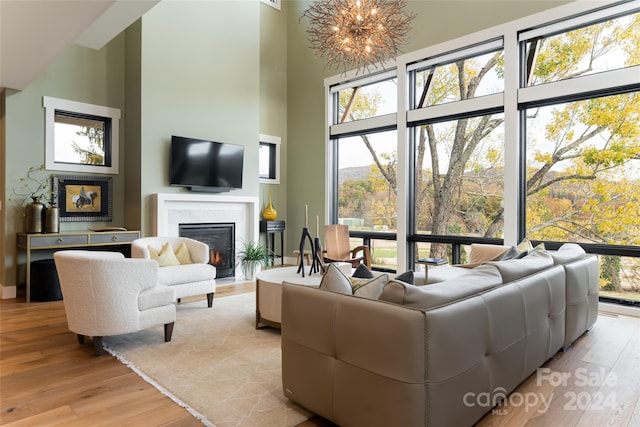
[106, 294]
[187, 279]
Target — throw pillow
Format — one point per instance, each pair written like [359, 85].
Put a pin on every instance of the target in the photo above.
[539, 247]
[406, 277]
[183, 255]
[510, 254]
[369, 288]
[524, 246]
[165, 257]
[334, 280]
[362, 272]
[522, 255]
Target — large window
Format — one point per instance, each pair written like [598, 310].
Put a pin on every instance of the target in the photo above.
[583, 171]
[603, 46]
[367, 181]
[459, 79]
[582, 121]
[458, 148]
[459, 168]
[364, 101]
[530, 129]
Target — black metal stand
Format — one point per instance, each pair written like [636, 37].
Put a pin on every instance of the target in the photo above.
[317, 266]
[305, 234]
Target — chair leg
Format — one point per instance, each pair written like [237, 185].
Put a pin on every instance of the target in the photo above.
[210, 299]
[97, 346]
[81, 339]
[168, 331]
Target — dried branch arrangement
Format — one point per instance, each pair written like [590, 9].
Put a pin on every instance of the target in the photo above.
[357, 33]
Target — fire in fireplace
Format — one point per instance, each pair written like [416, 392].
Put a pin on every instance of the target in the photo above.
[221, 239]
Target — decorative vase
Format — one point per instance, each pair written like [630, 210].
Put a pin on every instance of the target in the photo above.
[34, 216]
[269, 213]
[52, 220]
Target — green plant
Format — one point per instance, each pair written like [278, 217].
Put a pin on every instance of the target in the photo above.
[35, 185]
[253, 251]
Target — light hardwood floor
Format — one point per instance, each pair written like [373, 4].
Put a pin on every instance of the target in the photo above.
[47, 378]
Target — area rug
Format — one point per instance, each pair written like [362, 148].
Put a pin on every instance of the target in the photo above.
[217, 365]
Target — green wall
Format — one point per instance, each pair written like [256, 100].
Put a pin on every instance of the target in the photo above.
[273, 97]
[79, 74]
[200, 79]
[436, 21]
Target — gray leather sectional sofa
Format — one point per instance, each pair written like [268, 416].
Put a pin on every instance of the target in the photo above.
[422, 355]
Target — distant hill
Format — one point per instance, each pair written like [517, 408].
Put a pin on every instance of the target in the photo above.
[357, 172]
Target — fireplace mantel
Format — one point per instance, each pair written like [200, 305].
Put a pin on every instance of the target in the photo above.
[173, 209]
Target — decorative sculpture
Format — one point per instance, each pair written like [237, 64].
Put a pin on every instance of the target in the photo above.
[318, 265]
[305, 234]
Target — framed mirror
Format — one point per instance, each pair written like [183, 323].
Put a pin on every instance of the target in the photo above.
[81, 137]
[269, 159]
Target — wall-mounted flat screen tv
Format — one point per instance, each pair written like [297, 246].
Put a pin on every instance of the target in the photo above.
[205, 165]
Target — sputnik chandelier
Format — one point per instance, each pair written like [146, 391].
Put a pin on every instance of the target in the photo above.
[357, 33]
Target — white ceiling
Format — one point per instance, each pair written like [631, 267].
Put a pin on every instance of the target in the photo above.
[34, 32]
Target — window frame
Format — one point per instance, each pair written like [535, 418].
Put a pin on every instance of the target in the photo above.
[111, 118]
[273, 142]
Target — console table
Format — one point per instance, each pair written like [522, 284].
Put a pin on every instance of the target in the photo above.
[105, 240]
[271, 228]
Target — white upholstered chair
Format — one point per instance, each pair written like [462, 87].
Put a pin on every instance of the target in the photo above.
[187, 279]
[107, 294]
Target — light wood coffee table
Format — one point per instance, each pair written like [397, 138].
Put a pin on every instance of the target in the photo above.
[269, 292]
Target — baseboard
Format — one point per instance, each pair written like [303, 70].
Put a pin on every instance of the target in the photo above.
[8, 292]
[619, 309]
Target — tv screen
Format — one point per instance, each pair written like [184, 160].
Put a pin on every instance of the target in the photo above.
[205, 165]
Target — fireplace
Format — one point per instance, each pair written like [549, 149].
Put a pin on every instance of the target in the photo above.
[220, 237]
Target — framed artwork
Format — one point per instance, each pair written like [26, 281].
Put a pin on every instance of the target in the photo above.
[83, 198]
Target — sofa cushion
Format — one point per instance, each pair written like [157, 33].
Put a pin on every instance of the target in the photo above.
[567, 253]
[406, 277]
[334, 280]
[369, 288]
[165, 257]
[510, 254]
[362, 272]
[514, 269]
[481, 252]
[180, 274]
[183, 255]
[478, 280]
[524, 246]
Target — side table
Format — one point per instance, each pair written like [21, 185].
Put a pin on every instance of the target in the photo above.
[269, 292]
[271, 228]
